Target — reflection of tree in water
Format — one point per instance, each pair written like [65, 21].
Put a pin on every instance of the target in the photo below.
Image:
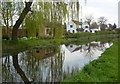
[103, 44]
[69, 71]
[90, 50]
[91, 47]
[8, 70]
[37, 68]
[19, 70]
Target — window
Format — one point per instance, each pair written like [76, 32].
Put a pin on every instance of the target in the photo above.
[37, 51]
[73, 31]
[71, 26]
[71, 46]
[47, 31]
[86, 26]
[86, 30]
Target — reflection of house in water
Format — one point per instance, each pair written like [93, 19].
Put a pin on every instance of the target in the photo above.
[94, 44]
[43, 53]
[99, 45]
[71, 47]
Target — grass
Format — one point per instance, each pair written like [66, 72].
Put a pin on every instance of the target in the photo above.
[30, 42]
[22, 44]
[86, 34]
[104, 69]
[14, 47]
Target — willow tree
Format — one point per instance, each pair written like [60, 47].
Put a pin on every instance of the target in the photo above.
[36, 19]
[58, 17]
[30, 23]
[74, 9]
[52, 13]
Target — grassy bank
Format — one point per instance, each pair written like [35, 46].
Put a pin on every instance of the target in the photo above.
[22, 44]
[86, 34]
[14, 47]
[104, 69]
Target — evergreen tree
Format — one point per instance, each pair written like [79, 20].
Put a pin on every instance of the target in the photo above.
[114, 26]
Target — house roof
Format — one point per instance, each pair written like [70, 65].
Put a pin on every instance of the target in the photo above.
[80, 29]
[78, 48]
[94, 28]
[77, 22]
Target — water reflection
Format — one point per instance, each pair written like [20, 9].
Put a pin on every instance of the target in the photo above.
[19, 70]
[51, 64]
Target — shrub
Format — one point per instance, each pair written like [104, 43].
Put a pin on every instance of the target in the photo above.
[6, 36]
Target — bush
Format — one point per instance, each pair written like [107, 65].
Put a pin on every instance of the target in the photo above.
[6, 36]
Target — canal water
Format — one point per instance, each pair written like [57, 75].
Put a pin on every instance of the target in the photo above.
[50, 64]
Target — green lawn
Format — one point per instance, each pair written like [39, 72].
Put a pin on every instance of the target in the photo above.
[87, 34]
[104, 69]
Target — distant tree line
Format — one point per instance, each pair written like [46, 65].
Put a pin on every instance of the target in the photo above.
[102, 22]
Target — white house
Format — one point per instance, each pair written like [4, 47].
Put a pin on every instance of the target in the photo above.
[72, 26]
[95, 29]
[77, 27]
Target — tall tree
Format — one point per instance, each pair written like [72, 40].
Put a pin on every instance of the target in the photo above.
[102, 22]
[114, 26]
[20, 20]
[46, 13]
[9, 11]
[6, 10]
[110, 25]
[89, 19]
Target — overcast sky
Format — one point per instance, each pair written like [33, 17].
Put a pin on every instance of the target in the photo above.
[106, 8]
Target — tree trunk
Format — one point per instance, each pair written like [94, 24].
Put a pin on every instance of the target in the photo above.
[20, 20]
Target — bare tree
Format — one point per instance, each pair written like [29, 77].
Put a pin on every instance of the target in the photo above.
[89, 19]
[102, 22]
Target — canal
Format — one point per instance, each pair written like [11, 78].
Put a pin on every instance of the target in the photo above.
[51, 64]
